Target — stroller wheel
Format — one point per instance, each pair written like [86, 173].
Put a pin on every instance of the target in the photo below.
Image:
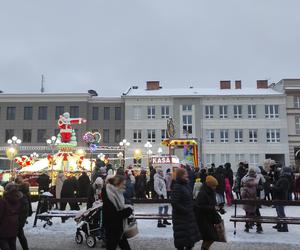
[79, 238]
[91, 241]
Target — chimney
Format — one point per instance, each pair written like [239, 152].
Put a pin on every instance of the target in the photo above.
[262, 84]
[153, 85]
[238, 84]
[225, 84]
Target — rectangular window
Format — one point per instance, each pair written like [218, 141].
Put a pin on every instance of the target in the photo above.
[225, 158]
[187, 121]
[95, 113]
[165, 112]
[11, 113]
[74, 111]
[106, 113]
[210, 158]
[210, 135]
[151, 112]
[237, 110]
[224, 135]
[297, 124]
[187, 107]
[27, 133]
[42, 115]
[137, 135]
[28, 113]
[252, 135]
[151, 135]
[271, 111]
[254, 160]
[251, 111]
[117, 135]
[239, 158]
[164, 134]
[209, 112]
[273, 135]
[41, 135]
[238, 135]
[118, 114]
[59, 110]
[223, 111]
[137, 114]
[106, 135]
[9, 133]
[296, 101]
[137, 163]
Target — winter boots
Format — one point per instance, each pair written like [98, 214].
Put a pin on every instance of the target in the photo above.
[163, 224]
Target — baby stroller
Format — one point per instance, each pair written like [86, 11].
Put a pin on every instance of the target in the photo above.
[89, 224]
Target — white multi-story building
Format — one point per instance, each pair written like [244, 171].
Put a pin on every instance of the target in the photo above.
[231, 123]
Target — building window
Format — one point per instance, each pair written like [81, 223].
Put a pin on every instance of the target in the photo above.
[59, 110]
[187, 107]
[118, 114]
[74, 111]
[11, 113]
[151, 112]
[137, 114]
[273, 135]
[210, 158]
[254, 160]
[238, 135]
[271, 111]
[42, 115]
[165, 112]
[27, 135]
[187, 121]
[296, 101]
[251, 111]
[237, 110]
[118, 135]
[210, 135]
[27, 113]
[164, 134]
[224, 135]
[137, 163]
[209, 112]
[223, 111]
[9, 133]
[41, 135]
[106, 135]
[106, 113]
[225, 158]
[95, 113]
[151, 135]
[137, 135]
[297, 124]
[239, 158]
[253, 135]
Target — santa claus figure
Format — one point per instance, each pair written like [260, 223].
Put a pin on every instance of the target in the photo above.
[64, 124]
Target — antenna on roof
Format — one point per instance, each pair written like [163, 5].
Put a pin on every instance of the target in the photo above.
[42, 84]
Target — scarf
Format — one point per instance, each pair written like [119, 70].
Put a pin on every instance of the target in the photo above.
[116, 197]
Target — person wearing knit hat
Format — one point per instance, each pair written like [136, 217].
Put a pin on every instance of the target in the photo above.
[211, 181]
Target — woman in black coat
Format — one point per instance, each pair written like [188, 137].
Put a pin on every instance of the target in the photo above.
[206, 213]
[186, 232]
[83, 185]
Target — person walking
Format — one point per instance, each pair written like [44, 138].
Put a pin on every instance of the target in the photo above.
[115, 213]
[186, 232]
[10, 210]
[161, 191]
[83, 185]
[206, 212]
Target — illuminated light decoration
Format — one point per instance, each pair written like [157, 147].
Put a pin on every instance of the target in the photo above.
[24, 161]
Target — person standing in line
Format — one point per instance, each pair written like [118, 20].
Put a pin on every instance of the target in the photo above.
[186, 232]
[161, 191]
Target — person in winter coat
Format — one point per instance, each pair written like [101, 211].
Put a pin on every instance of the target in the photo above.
[197, 187]
[186, 232]
[206, 212]
[169, 180]
[129, 189]
[115, 213]
[151, 182]
[59, 184]
[10, 209]
[249, 192]
[241, 172]
[161, 191]
[220, 190]
[191, 176]
[141, 185]
[95, 192]
[203, 175]
[43, 180]
[83, 185]
[229, 173]
[281, 192]
[69, 190]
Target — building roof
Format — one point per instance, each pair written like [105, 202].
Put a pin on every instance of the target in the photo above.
[182, 92]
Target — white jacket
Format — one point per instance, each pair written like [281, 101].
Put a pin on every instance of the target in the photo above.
[160, 186]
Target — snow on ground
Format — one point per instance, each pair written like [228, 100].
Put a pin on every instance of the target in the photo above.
[61, 235]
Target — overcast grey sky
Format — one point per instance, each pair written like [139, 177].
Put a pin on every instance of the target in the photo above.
[109, 45]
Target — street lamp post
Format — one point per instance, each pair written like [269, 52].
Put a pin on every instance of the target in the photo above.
[124, 144]
[12, 151]
[148, 147]
[51, 142]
